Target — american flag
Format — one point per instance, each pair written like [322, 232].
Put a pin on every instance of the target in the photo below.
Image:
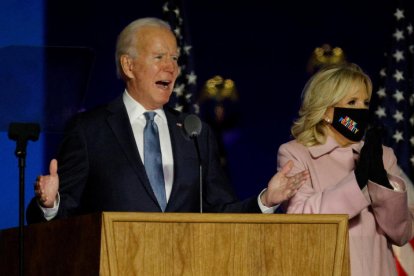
[392, 105]
[185, 86]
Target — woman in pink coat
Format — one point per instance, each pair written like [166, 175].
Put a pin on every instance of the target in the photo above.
[361, 179]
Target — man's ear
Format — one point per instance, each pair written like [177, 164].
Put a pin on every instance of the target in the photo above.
[127, 66]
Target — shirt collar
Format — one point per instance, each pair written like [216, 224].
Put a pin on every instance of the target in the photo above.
[135, 109]
[330, 145]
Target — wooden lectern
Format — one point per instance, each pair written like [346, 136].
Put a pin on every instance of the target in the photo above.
[116, 243]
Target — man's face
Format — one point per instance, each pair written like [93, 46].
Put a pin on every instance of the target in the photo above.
[154, 71]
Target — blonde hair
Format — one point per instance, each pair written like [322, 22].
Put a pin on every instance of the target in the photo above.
[325, 89]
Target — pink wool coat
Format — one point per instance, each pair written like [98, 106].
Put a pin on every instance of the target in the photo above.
[378, 217]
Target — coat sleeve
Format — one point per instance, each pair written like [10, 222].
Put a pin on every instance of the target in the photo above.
[391, 207]
[219, 195]
[72, 170]
[342, 197]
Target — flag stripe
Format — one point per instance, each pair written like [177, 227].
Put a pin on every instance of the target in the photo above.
[405, 260]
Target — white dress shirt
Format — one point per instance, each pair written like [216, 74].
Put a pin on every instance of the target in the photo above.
[137, 119]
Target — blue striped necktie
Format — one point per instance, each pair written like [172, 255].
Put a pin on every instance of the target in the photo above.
[153, 159]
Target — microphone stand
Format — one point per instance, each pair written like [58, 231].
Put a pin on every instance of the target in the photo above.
[21, 133]
[21, 155]
[200, 172]
[192, 126]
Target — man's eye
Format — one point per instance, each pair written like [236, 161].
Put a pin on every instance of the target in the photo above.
[175, 58]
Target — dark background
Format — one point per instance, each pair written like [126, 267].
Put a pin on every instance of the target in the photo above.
[263, 46]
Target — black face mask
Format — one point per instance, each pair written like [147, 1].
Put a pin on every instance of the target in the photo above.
[350, 122]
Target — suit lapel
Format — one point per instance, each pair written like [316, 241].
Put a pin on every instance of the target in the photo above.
[179, 143]
[118, 120]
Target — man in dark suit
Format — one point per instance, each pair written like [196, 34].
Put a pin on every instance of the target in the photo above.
[101, 159]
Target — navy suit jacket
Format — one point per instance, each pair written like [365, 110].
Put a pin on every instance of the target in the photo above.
[100, 169]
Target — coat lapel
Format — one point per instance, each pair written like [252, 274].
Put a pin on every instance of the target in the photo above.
[179, 144]
[119, 122]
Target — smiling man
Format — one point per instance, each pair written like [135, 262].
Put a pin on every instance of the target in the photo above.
[134, 155]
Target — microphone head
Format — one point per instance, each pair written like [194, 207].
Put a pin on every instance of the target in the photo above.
[192, 125]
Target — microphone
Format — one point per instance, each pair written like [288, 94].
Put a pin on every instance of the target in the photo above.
[192, 126]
